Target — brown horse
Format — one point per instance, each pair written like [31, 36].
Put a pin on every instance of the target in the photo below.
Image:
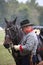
[13, 36]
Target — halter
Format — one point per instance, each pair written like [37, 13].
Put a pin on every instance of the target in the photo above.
[8, 29]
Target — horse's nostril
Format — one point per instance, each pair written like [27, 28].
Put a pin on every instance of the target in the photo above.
[6, 45]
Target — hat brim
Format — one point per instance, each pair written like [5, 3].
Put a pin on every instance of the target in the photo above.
[30, 24]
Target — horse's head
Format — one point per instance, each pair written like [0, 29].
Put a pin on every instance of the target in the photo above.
[10, 32]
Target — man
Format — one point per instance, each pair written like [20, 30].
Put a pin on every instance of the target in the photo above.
[28, 43]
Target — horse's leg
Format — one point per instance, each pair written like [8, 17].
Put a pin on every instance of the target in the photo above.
[31, 62]
[16, 58]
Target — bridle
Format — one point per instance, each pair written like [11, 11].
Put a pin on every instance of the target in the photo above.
[9, 30]
[10, 35]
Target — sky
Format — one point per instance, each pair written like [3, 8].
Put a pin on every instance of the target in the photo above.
[39, 1]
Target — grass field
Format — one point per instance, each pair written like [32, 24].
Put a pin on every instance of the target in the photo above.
[5, 57]
[2, 35]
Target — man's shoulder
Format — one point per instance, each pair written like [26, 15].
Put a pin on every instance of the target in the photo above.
[31, 33]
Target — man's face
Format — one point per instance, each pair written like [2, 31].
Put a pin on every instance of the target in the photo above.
[26, 29]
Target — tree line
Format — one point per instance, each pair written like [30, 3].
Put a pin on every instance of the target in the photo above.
[12, 8]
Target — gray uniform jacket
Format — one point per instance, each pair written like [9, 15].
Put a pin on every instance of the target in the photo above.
[29, 43]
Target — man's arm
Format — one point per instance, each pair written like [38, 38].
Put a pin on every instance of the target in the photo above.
[28, 45]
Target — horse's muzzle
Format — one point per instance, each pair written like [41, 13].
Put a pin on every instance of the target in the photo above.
[6, 45]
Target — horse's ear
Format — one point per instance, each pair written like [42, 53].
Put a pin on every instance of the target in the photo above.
[6, 21]
[14, 21]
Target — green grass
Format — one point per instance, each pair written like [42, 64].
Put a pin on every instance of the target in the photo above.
[5, 57]
[2, 34]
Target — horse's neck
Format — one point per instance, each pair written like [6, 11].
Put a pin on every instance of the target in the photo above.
[40, 43]
[18, 38]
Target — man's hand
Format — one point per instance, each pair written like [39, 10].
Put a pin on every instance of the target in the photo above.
[17, 47]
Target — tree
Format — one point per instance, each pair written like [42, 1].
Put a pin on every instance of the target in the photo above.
[22, 13]
[2, 8]
[11, 7]
[33, 2]
[40, 9]
[2, 12]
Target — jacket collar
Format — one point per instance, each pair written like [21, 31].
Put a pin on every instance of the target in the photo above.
[28, 30]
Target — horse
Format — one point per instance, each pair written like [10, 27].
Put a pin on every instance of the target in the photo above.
[13, 36]
[39, 53]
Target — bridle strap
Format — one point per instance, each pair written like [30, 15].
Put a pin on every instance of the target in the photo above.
[10, 31]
